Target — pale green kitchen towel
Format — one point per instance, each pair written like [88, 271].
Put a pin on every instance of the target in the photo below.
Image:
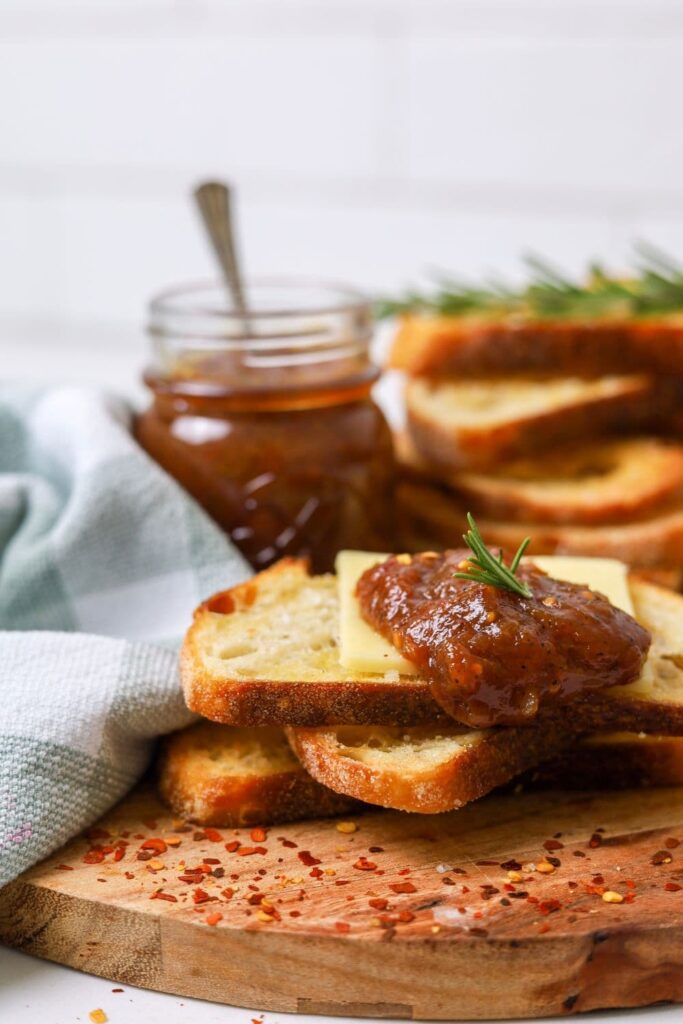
[102, 559]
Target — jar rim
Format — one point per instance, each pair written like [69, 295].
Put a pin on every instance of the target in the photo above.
[341, 298]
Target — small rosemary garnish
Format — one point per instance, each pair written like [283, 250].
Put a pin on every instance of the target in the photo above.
[486, 568]
[654, 288]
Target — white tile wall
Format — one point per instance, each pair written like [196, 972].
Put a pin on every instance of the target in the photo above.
[370, 139]
[590, 114]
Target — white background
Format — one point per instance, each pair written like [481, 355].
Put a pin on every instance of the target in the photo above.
[370, 140]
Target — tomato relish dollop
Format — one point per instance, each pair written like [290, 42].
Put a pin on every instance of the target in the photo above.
[491, 656]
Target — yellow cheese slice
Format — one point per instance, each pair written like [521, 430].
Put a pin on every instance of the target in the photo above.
[607, 575]
[361, 649]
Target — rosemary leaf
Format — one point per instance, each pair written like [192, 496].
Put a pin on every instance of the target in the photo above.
[486, 568]
[654, 288]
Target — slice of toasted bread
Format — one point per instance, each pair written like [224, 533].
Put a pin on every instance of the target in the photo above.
[433, 516]
[438, 768]
[480, 346]
[621, 760]
[425, 769]
[591, 483]
[479, 424]
[265, 653]
[608, 481]
[227, 777]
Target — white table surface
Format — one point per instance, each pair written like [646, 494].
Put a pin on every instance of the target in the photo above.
[37, 992]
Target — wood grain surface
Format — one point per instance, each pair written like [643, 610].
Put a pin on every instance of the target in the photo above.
[494, 911]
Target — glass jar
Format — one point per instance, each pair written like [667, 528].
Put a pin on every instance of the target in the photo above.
[267, 417]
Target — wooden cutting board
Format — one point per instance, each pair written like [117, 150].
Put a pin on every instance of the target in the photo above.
[407, 916]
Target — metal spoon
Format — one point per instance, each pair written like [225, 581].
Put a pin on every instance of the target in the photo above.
[214, 202]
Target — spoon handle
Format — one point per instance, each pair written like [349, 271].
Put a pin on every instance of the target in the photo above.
[214, 201]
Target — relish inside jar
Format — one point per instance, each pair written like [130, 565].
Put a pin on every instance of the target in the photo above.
[267, 417]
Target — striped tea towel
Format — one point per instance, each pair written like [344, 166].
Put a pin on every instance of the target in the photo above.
[102, 559]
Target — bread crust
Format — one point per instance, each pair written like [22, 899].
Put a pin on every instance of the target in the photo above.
[490, 759]
[619, 761]
[432, 515]
[635, 402]
[602, 482]
[232, 700]
[266, 702]
[480, 347]
[279, 792]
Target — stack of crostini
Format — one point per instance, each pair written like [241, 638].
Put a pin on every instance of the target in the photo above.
[289, 731]
[550, 412]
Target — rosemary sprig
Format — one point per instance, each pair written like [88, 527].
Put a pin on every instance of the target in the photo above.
[654, 287]
[486, 568]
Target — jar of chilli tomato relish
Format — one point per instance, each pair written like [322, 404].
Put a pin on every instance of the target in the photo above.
[266, 417]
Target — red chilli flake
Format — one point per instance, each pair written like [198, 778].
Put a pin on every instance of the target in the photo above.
[342, 926]
[213, 919]
[661, 857]
[406, 916]
[552, 844]
[158, 845]
[403, 887]
[228, 893]
[169, 897]
[364, 865]
[249, 851]
[307, 858]
[595, 841]
[673, 887]
[65, 867]
[93, 857]
[213, 835]
[258, 835]
[233, 845]
[119, 853]
[672, 843]
[200, 896]
[549, 906]
[378, 904]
